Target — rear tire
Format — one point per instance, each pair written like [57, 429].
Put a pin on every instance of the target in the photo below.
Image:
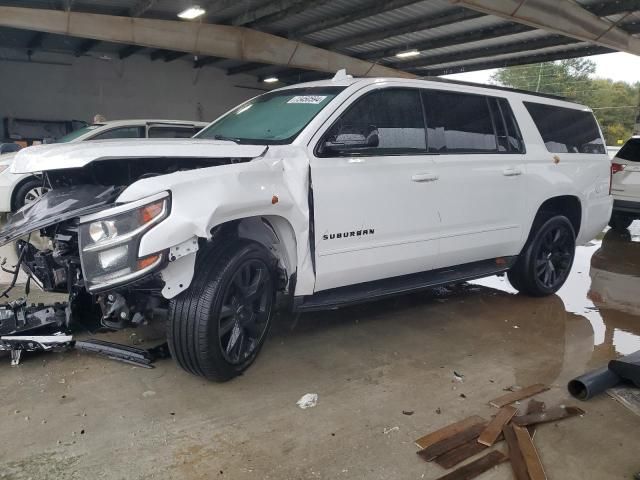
[217, 327]
[620, 222]
[545, 262]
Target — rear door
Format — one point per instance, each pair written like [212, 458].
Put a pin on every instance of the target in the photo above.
[375, 203]
[479, 158]
[626, 179]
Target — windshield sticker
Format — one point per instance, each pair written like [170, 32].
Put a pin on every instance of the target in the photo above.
[311, 99]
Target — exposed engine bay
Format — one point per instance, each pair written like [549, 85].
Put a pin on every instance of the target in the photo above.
[76, 239]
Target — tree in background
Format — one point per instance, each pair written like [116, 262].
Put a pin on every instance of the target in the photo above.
[615, 104]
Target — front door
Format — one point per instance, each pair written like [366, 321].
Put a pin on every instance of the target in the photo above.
[374, 197]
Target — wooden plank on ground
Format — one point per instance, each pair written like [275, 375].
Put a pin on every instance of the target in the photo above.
[460, 454]
[490, 434]
[515, 455]
[447, 444]
[530, 454]
[551, 415]
[477, 467]
[518, 395]
[448, 431]
[534, 406]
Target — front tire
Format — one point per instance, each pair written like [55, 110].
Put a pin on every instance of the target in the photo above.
[620, 222]
[545, 262]
[30, 191]
[218, 326]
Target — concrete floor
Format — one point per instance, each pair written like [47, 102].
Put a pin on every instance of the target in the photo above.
[75, 416]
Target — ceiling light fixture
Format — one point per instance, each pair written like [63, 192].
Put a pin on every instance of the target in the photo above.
[270, 80]
[408, 53]
[192, 13]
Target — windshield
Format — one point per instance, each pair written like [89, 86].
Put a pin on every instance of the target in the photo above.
[274, 118]
[76, 133]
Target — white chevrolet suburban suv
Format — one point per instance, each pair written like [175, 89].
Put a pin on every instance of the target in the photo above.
[310, 197]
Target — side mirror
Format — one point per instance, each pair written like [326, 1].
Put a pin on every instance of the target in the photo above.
[9, 148]
[352, 140]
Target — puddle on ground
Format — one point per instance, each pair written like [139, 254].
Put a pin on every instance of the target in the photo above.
[604, 288]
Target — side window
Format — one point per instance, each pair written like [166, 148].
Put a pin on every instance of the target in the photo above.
[458, 123]
[172, 132]
[507, 131]
[384, 122]
[514, 137]
[122, 132]
[566, 130]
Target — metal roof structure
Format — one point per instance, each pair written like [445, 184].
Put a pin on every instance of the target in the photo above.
[447, 37]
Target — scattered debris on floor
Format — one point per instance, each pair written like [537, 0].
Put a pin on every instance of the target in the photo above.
[625, 369]
[407, 412]
[457, 442]
[387, 431]
[308, 400]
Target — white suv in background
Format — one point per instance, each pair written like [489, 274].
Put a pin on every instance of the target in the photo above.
[625, 185]
[17, 190]
[314, 196]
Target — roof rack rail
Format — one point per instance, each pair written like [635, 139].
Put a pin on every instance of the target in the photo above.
[494, 87]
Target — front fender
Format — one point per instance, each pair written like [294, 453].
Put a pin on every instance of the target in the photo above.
[274, 185]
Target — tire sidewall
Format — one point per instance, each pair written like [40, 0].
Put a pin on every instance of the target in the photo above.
[215, 268]
[250, 252]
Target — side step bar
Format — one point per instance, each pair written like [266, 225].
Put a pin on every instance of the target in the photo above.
[378, 289]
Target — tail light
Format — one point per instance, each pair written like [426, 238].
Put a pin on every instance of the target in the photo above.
[615, 168]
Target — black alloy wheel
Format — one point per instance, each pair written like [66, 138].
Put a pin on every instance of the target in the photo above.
[554, 257]
[244, 313]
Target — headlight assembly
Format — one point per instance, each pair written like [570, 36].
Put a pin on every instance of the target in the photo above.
[110, 240]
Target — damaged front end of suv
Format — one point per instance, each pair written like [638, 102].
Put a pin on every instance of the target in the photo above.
[88, 236]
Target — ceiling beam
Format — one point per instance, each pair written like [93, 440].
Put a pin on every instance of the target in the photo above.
[563, 17]
[484, 52]
[171, 56]
[293, 9]
[449, 40]
[510, 62]
[375, 8]
[447, 18]
[141, 7]
[269, 11]
[201, 62]
[35, 41]
[128, 51]
[85, 46]
[247, 67]
[156, 54]
[608, 7]
[238, 43]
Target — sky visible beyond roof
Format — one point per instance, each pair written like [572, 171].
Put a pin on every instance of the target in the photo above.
[616, 66]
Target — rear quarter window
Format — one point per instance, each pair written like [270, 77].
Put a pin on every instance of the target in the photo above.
[630, 151]
[566, 130]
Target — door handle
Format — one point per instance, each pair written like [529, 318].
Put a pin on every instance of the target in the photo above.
[511, 172]
[424, 177]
